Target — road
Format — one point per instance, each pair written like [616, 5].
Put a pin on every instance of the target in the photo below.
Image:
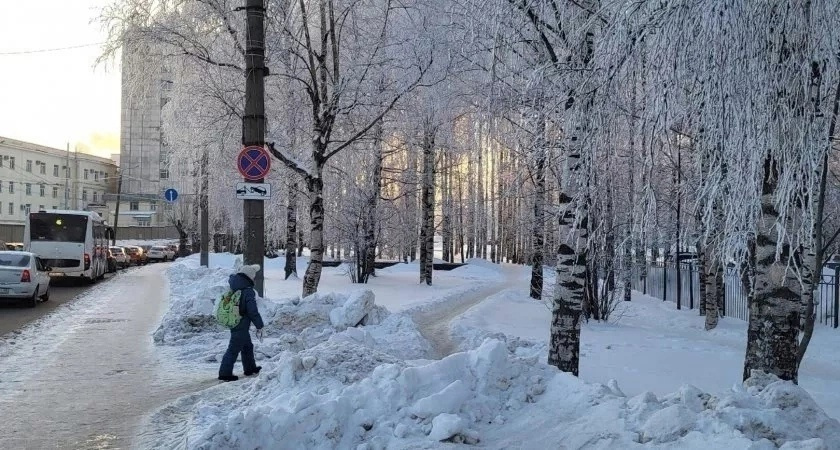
[14, 315]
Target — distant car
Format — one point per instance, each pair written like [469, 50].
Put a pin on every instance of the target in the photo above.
[157, 253]
[23, 276]
[120, 257]
[111, 261]
[14, 246]
[136, 255]
[171, 251]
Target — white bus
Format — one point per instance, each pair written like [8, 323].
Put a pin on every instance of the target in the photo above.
[72, 243]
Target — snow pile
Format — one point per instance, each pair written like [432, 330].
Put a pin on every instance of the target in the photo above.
[291, 324]
[341, 394]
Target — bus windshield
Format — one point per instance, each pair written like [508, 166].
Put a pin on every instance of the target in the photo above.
[57, 227]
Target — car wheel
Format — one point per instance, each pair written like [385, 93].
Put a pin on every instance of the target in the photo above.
[32, 301]
[46, 296]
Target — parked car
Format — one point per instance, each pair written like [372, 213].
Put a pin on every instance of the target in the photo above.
[120, 257]
[111, 265]
[23, 276]
[136, 255]
[157, 253]
[14, 246]
[171, 251]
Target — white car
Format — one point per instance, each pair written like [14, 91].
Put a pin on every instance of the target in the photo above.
[120, 257]
[158, 253]
[170, 251]
[23, 276]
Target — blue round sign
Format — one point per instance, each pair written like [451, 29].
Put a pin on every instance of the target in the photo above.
[253, 163]
[170, 195]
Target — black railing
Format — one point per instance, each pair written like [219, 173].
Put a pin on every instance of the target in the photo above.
[661, 282]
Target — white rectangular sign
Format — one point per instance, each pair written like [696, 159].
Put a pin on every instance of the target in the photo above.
[253, 191]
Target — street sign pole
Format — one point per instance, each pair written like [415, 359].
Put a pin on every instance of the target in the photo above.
[253, 129]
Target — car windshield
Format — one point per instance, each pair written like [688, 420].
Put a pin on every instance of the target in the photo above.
[158, 249]
[13, 260]
[116, 250]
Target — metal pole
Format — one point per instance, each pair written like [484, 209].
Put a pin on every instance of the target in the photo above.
[679, 228]
[67, 179]
[253, 128]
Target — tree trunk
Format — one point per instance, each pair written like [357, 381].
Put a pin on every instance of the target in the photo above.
[774, 310]
[567, 304]
[291, 231]
[315, 186]
[427, 231]
[538, 230]
[368, 255]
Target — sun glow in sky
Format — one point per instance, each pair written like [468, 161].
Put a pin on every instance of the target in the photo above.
[52, 98]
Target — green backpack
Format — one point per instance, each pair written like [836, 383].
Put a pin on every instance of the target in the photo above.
[227, 309]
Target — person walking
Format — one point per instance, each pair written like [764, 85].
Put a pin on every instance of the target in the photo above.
[240, 337]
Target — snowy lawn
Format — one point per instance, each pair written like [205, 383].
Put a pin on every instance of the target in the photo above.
[341, 371]
[650, 346]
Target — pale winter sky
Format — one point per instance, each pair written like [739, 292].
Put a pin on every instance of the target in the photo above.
[55, 97]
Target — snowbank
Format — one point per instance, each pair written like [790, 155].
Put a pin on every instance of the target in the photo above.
[339, 371]
[190, 328]
[341, 394]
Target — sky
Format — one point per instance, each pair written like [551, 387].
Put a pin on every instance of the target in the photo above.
[55, 97]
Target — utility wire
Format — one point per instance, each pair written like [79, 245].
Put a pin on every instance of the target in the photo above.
[46, 50]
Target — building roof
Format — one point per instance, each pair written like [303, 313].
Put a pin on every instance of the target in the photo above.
[21, 145]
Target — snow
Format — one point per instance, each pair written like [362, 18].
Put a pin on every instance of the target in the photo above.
[342, 371]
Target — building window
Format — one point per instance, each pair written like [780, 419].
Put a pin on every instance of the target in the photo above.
[95, 175]
[1, 186]
[66, 172]
[43, 190]
[105, 177]
[134, 206]
[29, 165]
[41, 208]
[95, 197]
[144, 221]
[11, 208]
[11, 187]
[164, 174]
[55, 170]
[84, 195]
[12, 164]
[55, 207]
[153, 205]
[43, 169]
[55, 192]
[26, 208]
[28, 188]
[1, 160]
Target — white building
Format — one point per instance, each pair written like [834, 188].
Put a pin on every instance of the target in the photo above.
[35, 177]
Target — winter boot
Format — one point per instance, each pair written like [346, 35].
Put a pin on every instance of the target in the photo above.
[255, 371]
[228, 377]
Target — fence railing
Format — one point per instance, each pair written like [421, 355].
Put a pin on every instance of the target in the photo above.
[660, 281]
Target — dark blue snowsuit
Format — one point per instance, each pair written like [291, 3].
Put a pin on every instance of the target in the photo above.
[240, 338]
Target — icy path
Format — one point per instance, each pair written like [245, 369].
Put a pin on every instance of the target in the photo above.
[433, 323]
[87, 376]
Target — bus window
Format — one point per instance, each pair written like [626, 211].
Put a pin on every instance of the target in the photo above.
[57, 227]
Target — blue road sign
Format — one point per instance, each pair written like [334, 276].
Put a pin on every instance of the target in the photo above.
[253, 163]
[170, 195]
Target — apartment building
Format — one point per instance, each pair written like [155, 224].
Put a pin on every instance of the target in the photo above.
[35, 177]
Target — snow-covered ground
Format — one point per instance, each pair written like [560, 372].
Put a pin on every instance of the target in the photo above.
[341, 371]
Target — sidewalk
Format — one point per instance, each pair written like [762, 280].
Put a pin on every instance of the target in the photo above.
[94, 388]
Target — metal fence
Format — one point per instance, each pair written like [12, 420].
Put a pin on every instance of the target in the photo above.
[661, 283]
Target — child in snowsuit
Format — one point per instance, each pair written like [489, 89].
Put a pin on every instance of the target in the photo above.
[240, 338]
